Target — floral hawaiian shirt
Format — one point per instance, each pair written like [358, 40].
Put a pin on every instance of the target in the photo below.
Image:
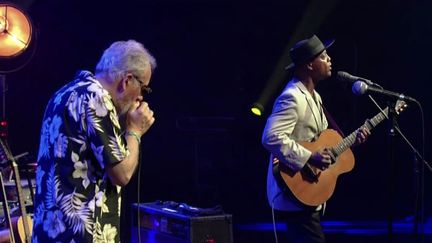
[75, 200]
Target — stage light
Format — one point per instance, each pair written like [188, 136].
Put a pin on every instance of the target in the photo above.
[314, 15]
[15, 30]
[3, 129]
[257, 109]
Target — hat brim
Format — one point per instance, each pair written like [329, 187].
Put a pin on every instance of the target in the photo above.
[326, 44]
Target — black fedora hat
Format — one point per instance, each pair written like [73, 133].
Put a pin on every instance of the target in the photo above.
[306, 50]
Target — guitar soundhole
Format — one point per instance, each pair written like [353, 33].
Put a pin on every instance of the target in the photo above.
[310, 174]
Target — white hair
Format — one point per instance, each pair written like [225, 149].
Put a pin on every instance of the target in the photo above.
[122, 57]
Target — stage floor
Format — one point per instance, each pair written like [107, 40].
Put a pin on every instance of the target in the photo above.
[339, 231]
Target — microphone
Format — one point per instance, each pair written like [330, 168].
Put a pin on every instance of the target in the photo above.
[360, 88]
[344, 76]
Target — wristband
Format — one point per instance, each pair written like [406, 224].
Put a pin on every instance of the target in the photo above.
[135, 135]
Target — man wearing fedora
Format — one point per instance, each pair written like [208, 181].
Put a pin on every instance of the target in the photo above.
[298, 116]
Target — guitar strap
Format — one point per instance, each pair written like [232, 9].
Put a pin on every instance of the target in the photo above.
[332, 122]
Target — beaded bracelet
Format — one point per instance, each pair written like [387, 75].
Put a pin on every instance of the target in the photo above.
[135, 135]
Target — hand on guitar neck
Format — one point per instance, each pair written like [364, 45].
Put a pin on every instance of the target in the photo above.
[323, 158]
[361, 135]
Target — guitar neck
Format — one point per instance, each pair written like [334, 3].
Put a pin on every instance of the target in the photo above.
[348, 141]
[21, 198]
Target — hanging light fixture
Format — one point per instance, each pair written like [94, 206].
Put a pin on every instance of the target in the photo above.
[15, 31]
[15, 37]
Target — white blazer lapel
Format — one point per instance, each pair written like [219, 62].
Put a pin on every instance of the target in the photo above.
[314, 106]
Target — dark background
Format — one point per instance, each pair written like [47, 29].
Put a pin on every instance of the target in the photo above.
[214, 60]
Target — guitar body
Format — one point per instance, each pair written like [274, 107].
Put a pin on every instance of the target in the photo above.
[19, 230]
[315, 192]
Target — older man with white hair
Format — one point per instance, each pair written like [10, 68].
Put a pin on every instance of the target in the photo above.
[89, 147]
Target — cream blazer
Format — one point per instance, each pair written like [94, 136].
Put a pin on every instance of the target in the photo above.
[297, 116]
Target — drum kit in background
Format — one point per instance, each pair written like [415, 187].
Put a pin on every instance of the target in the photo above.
[28, 185]
[17, 187]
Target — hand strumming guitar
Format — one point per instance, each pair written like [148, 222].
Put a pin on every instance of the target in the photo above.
[321, 159]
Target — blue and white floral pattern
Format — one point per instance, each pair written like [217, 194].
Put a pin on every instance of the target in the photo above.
[81, 135]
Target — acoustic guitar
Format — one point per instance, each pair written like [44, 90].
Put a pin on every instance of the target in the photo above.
[313, 186]
[22, 225]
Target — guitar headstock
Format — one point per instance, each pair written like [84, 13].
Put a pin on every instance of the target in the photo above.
[400, 106]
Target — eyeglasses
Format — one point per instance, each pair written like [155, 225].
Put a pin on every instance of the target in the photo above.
[145, 89]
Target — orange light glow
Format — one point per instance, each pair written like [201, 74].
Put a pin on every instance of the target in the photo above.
[15, 31]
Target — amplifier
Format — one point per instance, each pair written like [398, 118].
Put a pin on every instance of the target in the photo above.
[169, 222]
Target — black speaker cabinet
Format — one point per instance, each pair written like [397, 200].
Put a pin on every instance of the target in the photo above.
[161, 223]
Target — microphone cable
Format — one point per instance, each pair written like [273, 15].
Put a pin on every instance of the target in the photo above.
[138, 193]
[274, 218]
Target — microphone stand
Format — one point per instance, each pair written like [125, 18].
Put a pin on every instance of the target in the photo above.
[391, 169]
[419, 171]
